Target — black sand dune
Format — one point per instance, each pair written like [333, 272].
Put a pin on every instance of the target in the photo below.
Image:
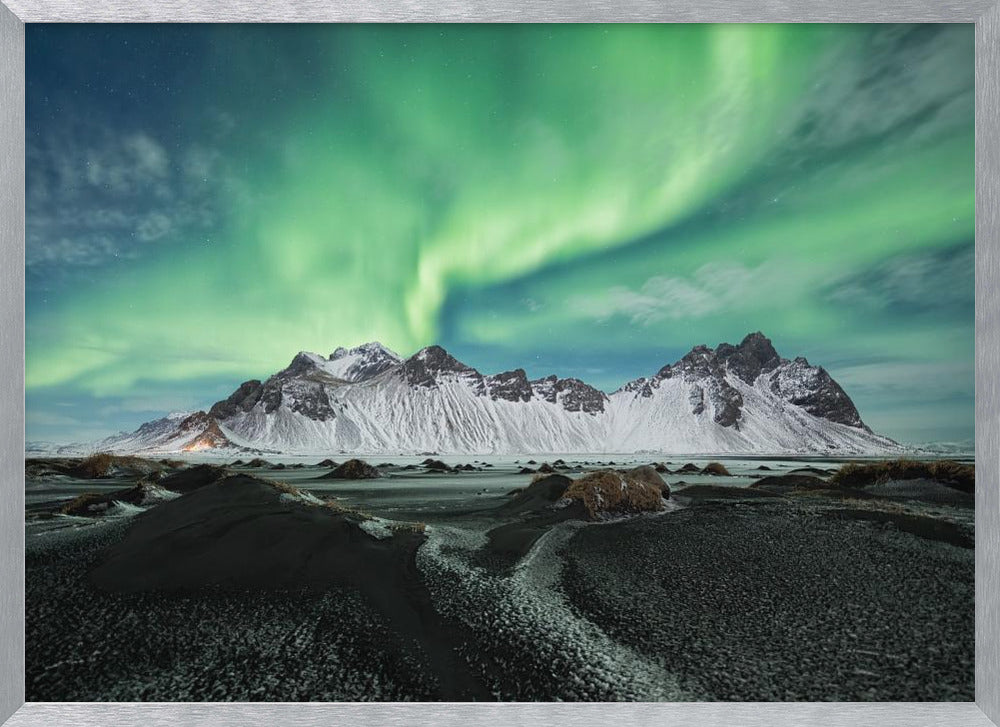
[241, 533]
[193, 478]
[537, 496]
[789, 481]
[352, 469]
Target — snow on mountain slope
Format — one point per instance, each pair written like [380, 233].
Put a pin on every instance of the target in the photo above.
[739, 399]
[176, 432]
[361, 363]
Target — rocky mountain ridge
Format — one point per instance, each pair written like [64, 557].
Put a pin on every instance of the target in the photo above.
[734, 398]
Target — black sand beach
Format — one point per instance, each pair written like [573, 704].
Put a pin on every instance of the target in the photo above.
[248, 589]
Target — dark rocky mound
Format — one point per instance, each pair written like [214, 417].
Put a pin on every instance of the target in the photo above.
[609, 493]
[279, 466]
[326, 463]
[243, 532]
[96, 466]
[527, 471]
[920, 490]
[813, 471]
[352, 469]
[537, 496]
[648, 475]
[764, 468]
[689, 468]
[93, 504]
[546, 468]
[193, 478]
[436, 465]
[962, 477]
[258, 462]
[715, 468]
[790, 482]
[661, 468]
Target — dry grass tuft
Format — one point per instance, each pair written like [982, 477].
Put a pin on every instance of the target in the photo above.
[100, 464]
[96, 465]
[281, 486]
[408, 527]
[959, 476]
[715, 468]
[82, 504]
[607, 491]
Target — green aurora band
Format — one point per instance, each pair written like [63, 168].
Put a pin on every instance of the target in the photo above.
[585, 199]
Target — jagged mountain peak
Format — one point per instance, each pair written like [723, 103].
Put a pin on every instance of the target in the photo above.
[425, 367]
[436, 358]
[371, 349]
[304, 361]
[753, 356]
[346, 364]
[718, 375]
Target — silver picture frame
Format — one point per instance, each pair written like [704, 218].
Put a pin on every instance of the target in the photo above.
[985, 14]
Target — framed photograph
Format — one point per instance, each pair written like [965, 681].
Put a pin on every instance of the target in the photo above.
[545, 364]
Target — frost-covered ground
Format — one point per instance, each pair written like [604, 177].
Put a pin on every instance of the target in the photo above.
[744, 600]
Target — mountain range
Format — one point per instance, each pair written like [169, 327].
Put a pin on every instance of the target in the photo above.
[731, 399]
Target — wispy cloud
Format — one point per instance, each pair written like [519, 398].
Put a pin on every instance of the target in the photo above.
[128, 165]
[712, 288]
[93, 196]
[902, 87]
[925, 381]
[937, 281]
[84, 251]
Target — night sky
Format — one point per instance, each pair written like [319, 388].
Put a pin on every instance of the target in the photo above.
[591, 201]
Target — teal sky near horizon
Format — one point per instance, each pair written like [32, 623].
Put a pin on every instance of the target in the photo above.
[592, 201]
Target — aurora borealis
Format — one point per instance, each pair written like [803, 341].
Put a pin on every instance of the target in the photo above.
[592, 201]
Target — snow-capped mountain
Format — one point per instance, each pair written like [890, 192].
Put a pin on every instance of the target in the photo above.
[731, 399]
